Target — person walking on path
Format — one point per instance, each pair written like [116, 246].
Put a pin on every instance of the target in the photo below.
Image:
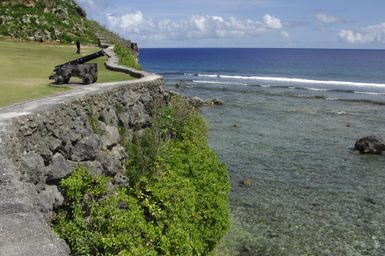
[77, 46]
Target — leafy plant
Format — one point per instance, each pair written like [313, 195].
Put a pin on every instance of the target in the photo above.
[126, 56]
[93, 119]
[177, 206]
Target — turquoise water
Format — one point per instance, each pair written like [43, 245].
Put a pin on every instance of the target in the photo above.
[296, 125]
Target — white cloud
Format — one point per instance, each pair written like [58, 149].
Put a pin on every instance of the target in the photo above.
[285, 34]
[89, 2]
[326, 19]
[95, 6]
[370, 34]
[136, 26]
[272, 22]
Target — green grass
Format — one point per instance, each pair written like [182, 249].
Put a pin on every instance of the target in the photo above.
[26, 67]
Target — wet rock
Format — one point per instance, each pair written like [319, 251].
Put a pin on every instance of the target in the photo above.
[217, 102]
[370, 145]
[369, 200]
[181, 84]
[196, 102]
[248, 182]
[173, 93]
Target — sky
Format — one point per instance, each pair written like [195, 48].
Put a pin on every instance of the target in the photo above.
[244, 23]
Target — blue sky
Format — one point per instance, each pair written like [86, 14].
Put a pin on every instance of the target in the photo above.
[245, 23]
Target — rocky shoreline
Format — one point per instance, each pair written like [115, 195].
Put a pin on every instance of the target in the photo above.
[199, 102]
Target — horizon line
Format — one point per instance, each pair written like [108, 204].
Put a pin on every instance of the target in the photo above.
[293, 48]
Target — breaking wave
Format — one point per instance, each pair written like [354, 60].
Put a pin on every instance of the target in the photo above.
[291, 80]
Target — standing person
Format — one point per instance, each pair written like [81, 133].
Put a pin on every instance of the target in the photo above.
[77, 46]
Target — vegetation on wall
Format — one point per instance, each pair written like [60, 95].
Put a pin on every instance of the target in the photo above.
[122, 48]
[126, 56]
[176, 202]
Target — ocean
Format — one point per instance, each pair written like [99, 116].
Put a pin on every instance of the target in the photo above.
[288, 126]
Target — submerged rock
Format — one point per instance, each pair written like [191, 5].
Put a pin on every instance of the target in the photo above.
[248, 182]
[181, 84]
[217, 102]
[198, 102]
[370, 145]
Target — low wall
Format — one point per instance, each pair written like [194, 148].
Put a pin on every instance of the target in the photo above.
[43, 140]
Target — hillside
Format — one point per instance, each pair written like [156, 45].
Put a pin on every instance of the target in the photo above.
[27, 64]
[46, 20]
[59, 21]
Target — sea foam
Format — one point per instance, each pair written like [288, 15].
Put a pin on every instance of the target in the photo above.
[292, 80]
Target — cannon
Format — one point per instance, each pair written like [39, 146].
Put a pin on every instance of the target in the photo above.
[87, 72]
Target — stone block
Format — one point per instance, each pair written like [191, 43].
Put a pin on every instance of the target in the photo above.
[59, 169]
[86, 149]
[110, 137]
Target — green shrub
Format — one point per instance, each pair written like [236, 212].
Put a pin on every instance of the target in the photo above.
[126, 57]
[93, 119]
[143, 152]
[177, 206]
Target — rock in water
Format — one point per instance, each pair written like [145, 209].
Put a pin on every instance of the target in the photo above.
[248, 182]
[196, 102]
[370, 145]
[217, 102]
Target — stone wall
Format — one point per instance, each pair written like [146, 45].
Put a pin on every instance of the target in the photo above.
[42, 142]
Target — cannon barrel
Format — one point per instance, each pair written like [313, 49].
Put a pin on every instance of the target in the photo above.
[82, 59]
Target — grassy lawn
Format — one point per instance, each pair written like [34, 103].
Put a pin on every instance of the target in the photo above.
[26, 66]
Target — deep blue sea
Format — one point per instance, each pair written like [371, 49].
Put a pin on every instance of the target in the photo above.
[298, 113]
